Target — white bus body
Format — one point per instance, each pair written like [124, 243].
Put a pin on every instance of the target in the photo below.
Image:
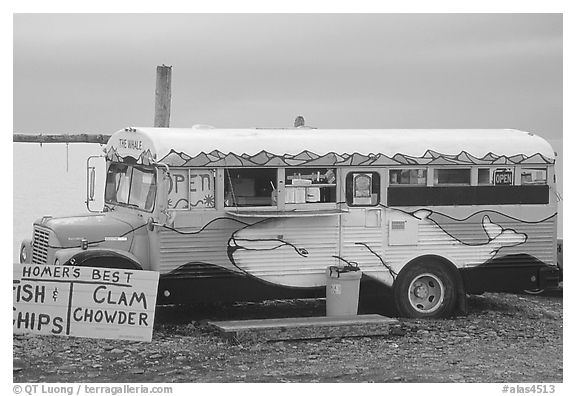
[247, 214]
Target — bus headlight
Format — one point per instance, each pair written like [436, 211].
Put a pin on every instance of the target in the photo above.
[23, 254]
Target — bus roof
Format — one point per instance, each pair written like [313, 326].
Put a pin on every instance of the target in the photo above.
[210, 147]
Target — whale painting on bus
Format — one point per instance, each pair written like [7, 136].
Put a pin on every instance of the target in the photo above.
[293, 251]
[260, 213]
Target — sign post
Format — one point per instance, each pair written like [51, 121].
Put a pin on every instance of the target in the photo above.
[84, 301]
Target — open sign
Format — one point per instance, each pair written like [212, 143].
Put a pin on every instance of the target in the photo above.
[503, 177]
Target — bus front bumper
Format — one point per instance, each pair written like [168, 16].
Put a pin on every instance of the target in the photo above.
[548, 277]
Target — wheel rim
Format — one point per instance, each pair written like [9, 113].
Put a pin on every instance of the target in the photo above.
[534, 291]
[426, 293]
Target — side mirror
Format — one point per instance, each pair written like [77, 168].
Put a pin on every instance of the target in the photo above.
[91, 181]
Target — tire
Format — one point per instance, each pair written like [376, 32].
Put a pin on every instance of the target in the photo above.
[104, 259]
[425, 289]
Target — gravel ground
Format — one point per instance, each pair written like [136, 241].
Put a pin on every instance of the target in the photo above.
[504, 338]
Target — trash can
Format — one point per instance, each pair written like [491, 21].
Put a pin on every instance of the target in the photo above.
[342, 290]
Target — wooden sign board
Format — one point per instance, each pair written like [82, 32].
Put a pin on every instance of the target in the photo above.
[84, 301]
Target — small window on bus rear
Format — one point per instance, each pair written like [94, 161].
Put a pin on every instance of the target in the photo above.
[250, 187]
[310, 185]
[452, 176]
[408, 177]
[533, 176]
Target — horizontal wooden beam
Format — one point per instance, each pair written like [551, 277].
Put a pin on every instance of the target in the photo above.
[260, 330]
[61, 138]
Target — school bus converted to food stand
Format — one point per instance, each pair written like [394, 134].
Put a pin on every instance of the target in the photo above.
[249, 214]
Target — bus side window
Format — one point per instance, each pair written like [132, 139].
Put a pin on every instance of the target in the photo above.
[310, 185]
[202, 188]
[362, 188]
[452, 176]
[408, 177]
[178, 193]
[191, 189]
[533, 176]
[250, 187]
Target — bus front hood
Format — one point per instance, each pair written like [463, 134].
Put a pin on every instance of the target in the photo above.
[97, 230]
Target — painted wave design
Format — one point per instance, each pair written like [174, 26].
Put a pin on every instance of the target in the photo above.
[145, 158]
[263, 158]
[218, 159]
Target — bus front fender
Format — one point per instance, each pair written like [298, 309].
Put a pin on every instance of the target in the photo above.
[103, 258]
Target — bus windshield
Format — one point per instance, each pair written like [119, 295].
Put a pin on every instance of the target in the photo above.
[130, 185]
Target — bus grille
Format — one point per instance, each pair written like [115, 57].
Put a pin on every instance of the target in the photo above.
[40, 246]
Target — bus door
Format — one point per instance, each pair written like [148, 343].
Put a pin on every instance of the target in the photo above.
[362, 227]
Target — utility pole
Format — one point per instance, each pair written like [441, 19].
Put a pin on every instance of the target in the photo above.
[163, 96]
[63, 138]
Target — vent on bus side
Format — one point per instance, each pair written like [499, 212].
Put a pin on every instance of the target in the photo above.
[402, 230]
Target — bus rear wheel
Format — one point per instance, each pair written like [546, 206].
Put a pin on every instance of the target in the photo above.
[425, 290]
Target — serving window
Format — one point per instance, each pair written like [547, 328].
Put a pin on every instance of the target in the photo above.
[191, 188]
[310, 185]
[250, 187]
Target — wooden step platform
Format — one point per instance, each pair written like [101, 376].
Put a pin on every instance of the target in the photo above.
[261, 330]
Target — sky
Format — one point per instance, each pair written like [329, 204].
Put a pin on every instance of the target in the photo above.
[95, 73]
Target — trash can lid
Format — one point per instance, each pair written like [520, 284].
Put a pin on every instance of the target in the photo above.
[336, 271]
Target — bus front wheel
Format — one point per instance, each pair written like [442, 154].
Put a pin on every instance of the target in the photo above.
[425, 290]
